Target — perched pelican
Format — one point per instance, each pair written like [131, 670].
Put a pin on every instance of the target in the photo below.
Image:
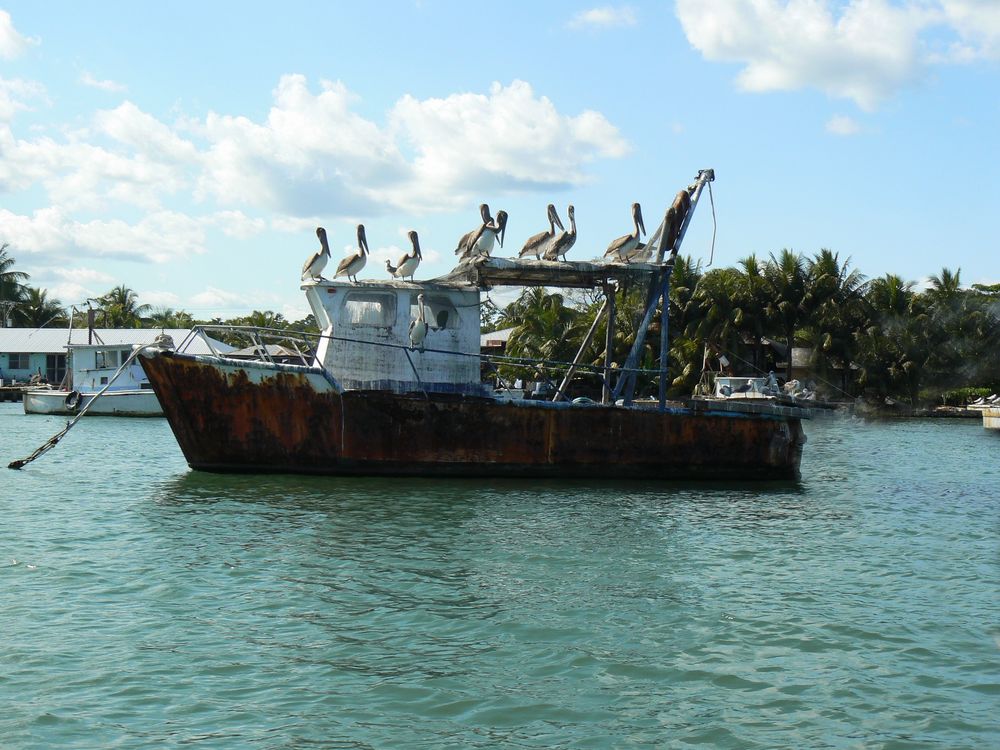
[407, 263]
[313, 268]
[620, 247]
[540, 242]
[565, 241]
[463, 243]
[482, 241]
[352, 264]
[418, 327]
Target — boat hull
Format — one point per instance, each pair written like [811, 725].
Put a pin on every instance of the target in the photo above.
[991, 417]
[111, 403]
[259, 418]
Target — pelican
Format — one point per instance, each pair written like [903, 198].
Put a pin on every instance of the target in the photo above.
[463, 243]
[352, 264]
[408, 262]
[418, 327]
[562, 244]
[541, 241]
[623, 245]
[313, 268]
[482, 241]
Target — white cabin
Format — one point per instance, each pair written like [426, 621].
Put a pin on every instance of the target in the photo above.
[365, 340]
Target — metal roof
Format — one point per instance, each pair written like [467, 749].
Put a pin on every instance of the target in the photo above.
[54, 340]
[493, 338]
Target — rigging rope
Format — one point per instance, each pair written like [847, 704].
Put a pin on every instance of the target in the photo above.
[160, 340]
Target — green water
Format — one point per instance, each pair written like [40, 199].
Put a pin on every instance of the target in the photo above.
[143, 605]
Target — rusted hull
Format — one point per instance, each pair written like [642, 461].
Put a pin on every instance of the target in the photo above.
[282, 422]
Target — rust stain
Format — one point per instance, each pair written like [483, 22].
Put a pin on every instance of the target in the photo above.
[283, 424]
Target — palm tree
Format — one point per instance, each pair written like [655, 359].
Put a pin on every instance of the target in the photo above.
[836, 313]
[38, 310]
[750, 314]
[892, 346]
[121, 308]
[167, 317]
[787, 286]
[544, 327]
[11, 284]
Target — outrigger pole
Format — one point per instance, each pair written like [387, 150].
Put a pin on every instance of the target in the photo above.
[659, 289]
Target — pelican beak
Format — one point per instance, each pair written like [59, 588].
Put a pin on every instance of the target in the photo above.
[502, 217]
[638, 218]
[416, 245]
[557, 221]
[363, 239]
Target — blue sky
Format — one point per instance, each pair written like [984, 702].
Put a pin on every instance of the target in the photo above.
[189, 150]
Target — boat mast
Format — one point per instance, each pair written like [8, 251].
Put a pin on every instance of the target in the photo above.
[659, 289]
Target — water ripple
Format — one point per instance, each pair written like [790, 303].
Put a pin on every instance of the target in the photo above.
[147, 606]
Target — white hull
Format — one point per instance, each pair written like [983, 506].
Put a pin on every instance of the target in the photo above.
[991, 418]
[112, 404]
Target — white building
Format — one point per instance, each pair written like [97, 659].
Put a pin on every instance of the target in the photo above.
[25, 352]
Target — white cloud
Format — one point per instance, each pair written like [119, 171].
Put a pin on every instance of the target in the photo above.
[12, 44]
[842, 125]
[518, 141]
[977, 22]
[14, 95]
[603, 17]
[864, 53]
[312, 159]
[862, 50]
[159, 237]
[104, 85]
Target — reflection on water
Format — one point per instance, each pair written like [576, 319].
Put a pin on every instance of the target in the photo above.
[146, 605]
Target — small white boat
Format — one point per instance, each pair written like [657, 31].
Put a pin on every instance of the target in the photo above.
[93, 367]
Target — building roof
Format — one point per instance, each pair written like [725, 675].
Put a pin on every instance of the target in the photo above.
[495, 338]
[54, 340]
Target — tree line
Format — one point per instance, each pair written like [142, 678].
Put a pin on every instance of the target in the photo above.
[881, 338]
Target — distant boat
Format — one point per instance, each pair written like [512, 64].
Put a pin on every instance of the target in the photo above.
[92, 368]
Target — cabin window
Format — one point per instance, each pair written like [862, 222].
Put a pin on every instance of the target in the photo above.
[19, 361]
[55, 367]
[370, 309]
[106, 358]
[439, 312]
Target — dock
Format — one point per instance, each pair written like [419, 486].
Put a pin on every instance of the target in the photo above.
[12, 392]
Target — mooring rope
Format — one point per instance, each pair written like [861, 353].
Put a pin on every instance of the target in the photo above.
[161, 340]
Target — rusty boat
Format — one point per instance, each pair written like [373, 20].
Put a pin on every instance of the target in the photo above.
[362, 399]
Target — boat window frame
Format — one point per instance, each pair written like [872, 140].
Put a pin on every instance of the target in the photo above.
[436, 304]
[387, 312]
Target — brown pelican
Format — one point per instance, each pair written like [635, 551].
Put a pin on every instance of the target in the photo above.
[538, 243]
[407, 263]
[562, 244]
[313, 268]
[482, 241]
[352, 264]
[620, 247]
[463, 243]
[418, 327]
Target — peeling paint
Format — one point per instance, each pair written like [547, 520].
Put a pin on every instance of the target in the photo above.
[250, 418]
